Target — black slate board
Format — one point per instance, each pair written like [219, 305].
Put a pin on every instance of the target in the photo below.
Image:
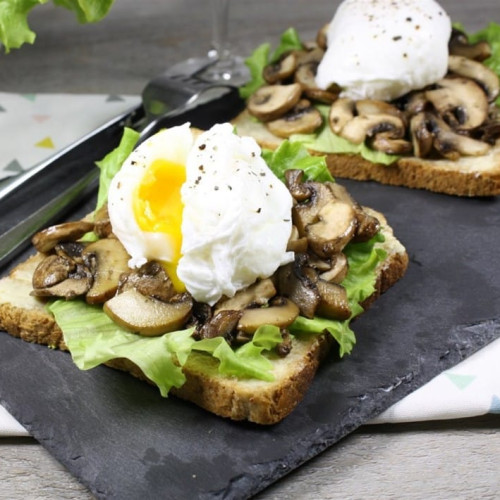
[121, 439]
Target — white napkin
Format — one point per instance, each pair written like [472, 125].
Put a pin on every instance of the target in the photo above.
[35, 126]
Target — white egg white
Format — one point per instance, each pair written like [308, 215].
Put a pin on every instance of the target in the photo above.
[173, 144]
[237, 216]
[382, 49]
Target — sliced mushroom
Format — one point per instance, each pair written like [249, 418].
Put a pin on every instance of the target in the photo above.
[333, 302]
[335, 227]
[222, 324]
[459, 46]
[71, 250]
[488, 132]
[341, 112]
[282, 69]
[293, 283]
[52, 270]
[367, 225]
[377, 107]
[338, 269]
[381, 142]
[460, 101]
[452, 145]
[421, 136]
[150, 279]
[102, 224]
[314, 55]
[257, 294]
[307, 212]
[296, 243]
[364, 126]
[303, 118]
[147, 316]
[321, 37]
[481, 74]
[107, 259]
[282, 312]
[299, 190]
[271, 101]
[56, 276]
[327, 96]
[415, 102]
[48, 238]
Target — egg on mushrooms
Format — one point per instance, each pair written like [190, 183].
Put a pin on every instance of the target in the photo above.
[384, 49]
[208, 208]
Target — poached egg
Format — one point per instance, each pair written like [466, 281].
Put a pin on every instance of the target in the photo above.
[207, 207]
[382, 49]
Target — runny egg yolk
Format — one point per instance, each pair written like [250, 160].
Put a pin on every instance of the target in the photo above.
[158, 208]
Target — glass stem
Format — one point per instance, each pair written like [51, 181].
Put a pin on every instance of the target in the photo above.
[220, 14]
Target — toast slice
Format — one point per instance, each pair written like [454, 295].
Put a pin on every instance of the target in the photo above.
[467, 176]
[26, 317]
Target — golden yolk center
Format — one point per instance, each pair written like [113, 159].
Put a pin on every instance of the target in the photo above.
[158, 206]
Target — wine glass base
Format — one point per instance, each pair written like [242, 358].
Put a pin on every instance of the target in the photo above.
[231, 70]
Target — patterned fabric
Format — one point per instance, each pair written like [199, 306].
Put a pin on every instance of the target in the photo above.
[34, 126]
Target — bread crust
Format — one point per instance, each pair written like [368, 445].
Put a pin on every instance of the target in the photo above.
[468, 176]
[24, 316]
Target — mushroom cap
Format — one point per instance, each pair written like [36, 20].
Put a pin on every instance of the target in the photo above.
[460, 101]
[271, 101]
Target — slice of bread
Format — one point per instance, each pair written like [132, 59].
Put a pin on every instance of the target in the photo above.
[25, 316]
[468, 176]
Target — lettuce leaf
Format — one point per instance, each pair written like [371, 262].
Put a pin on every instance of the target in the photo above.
[113, 161]
[14, 28]
[87, 11]
[260, 58]
[93, 339]
[325, 141]
[491, 34]
[294, 155]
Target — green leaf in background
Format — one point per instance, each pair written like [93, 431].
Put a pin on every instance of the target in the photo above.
[491, 34]
[259, 59]
[87, 11]
[113, 161]
[256, 63]
[289, 40]
[14, 29]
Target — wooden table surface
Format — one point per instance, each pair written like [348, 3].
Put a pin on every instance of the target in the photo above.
[454, 459]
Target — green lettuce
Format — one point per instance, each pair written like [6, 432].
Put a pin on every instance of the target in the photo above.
[93, 338]
[325, 141]
[113, 161]
[14, 28]
[294, 155]
[491, 34]
[260, 58]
